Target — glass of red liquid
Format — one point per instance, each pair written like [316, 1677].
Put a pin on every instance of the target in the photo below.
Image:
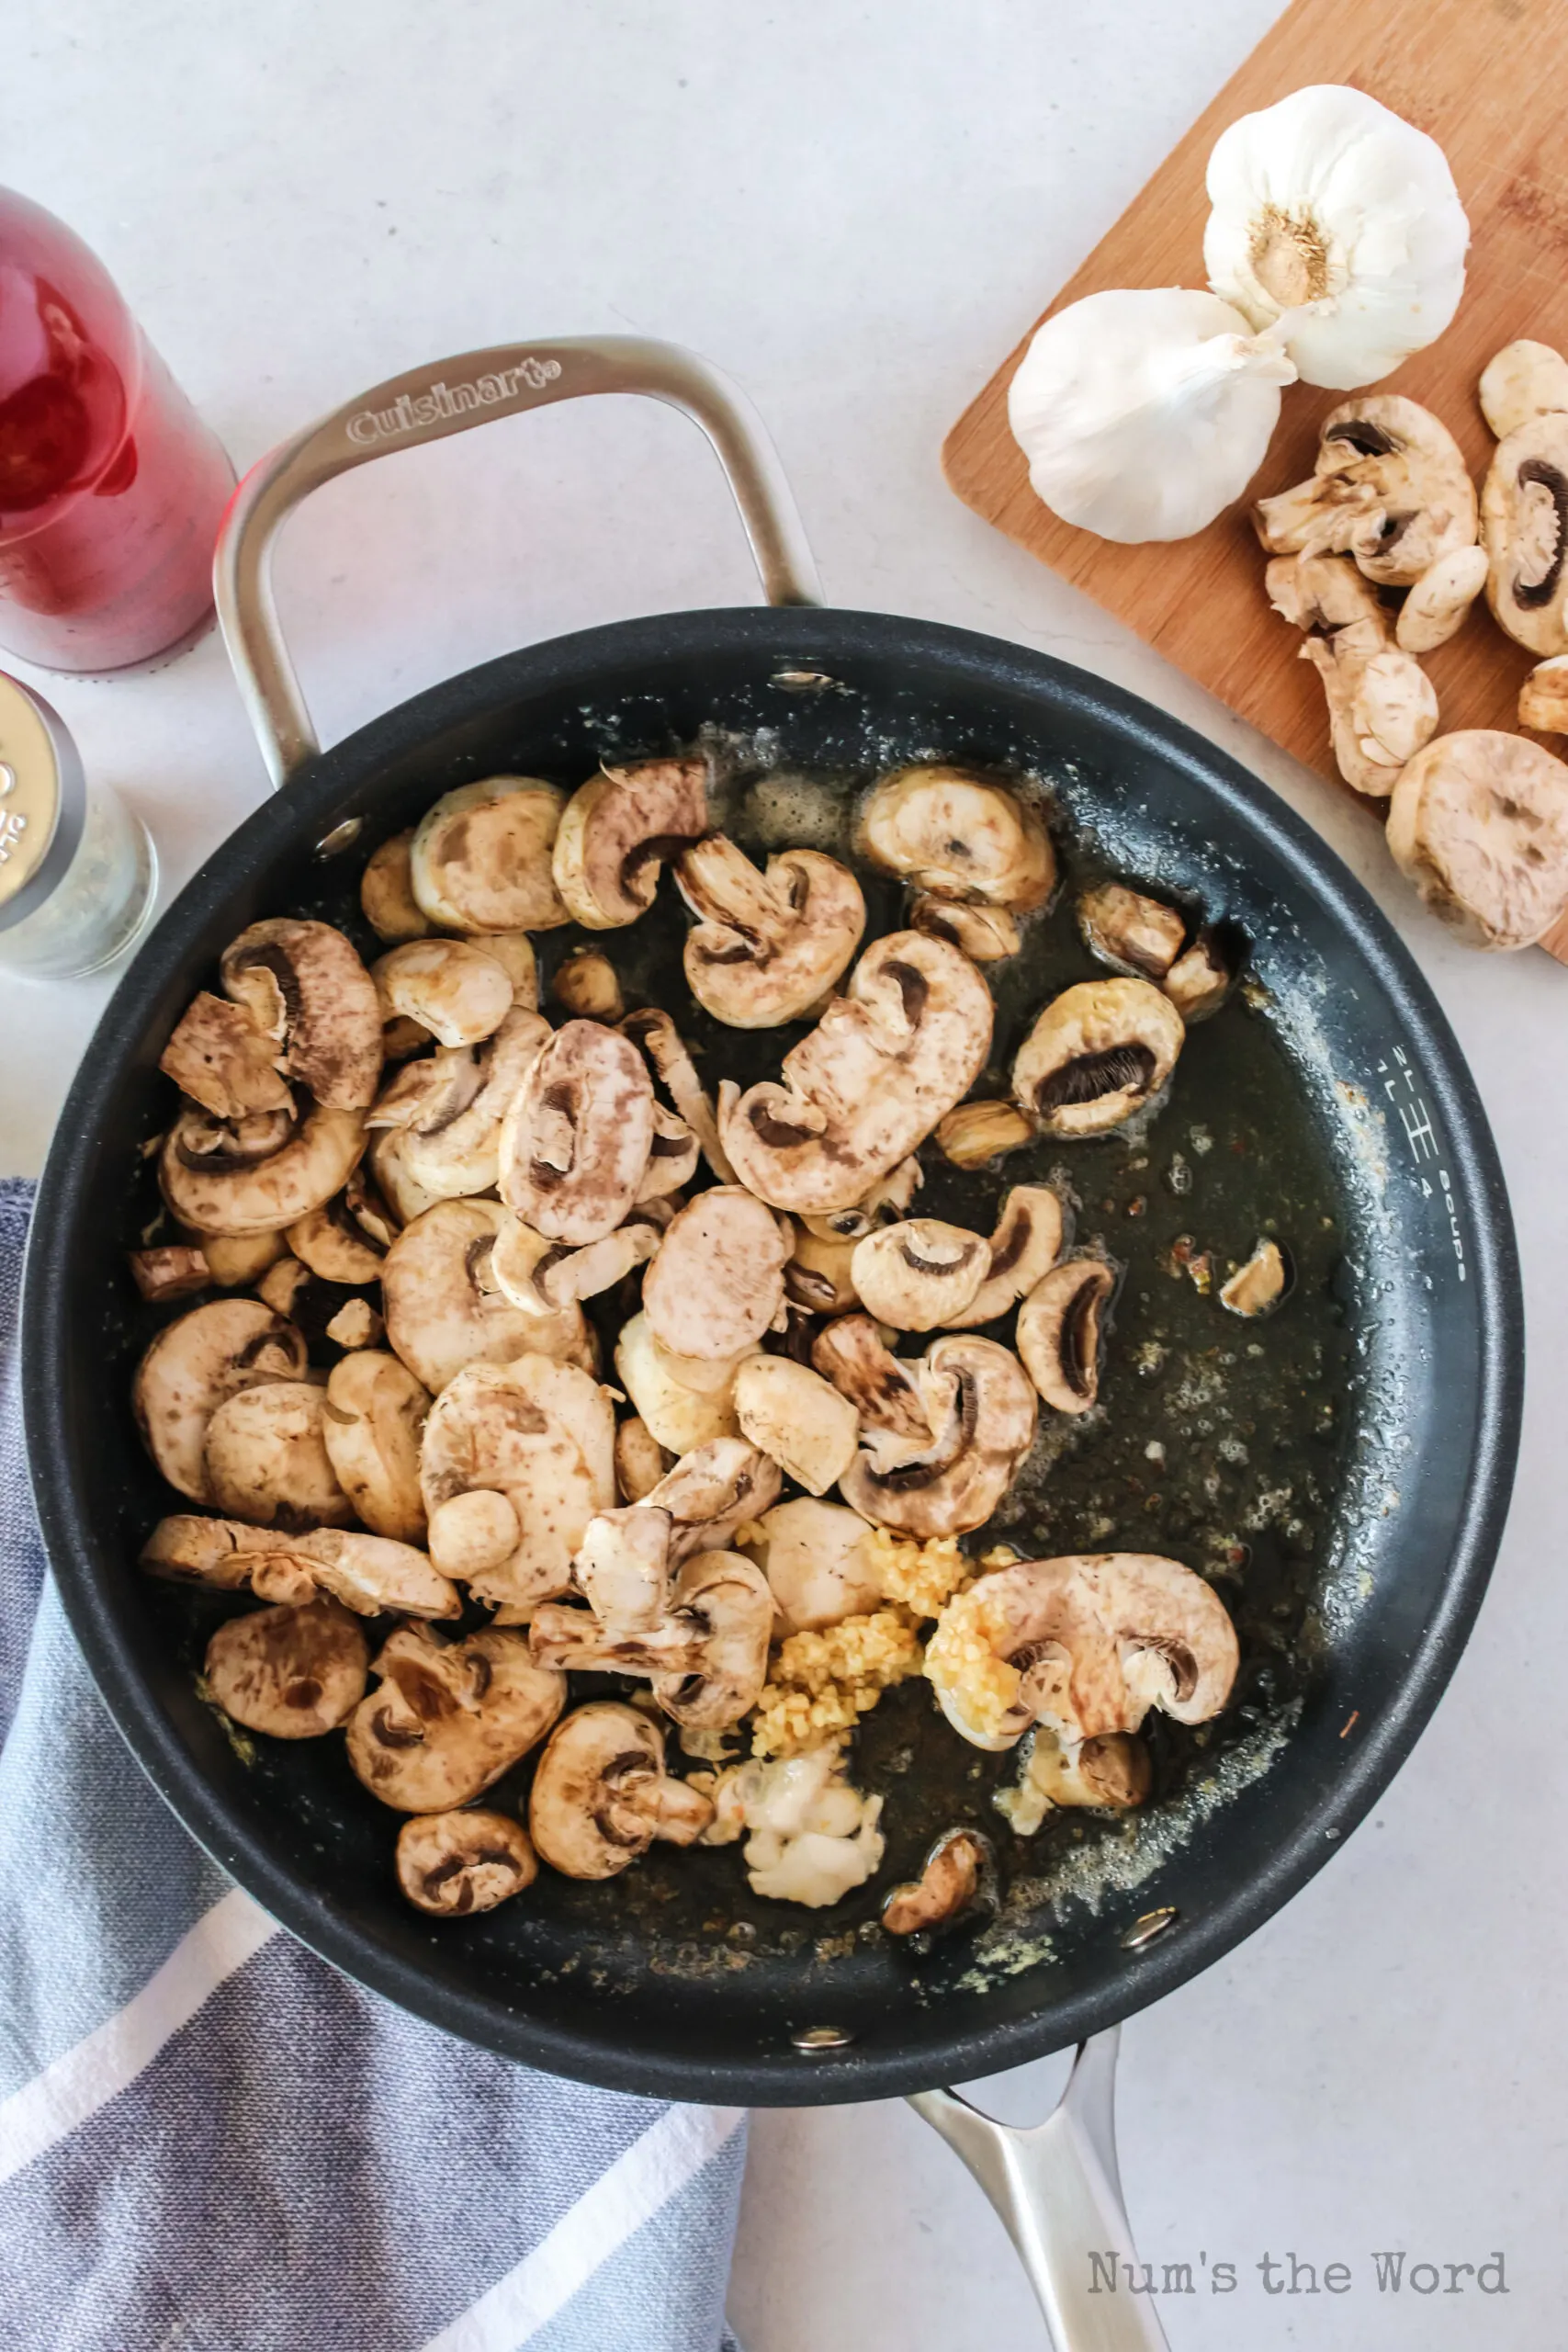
[111, 487]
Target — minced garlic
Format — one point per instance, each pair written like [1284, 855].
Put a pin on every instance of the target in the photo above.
[922, 1577]
[824, 1681]
[963, 1666]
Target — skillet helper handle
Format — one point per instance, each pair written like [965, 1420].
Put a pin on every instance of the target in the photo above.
[448, 396]
[1059, 2194]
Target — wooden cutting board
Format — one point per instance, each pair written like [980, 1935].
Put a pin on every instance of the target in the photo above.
[1486, 79]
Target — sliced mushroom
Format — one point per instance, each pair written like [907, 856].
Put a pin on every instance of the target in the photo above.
[371, 1423]
[945, 831]
[170, 1273]
[1111, 1774]
[655, 1036]
[1097, 1052]
[886, 1061]
[357, 1324]
[798, 1418]
[305, 987]
[819, 1277]
[1524, 520]
[672, 1157]
[1438, 604]
[404, 1199]
[617, 831]
[601, 1794]
[1390, 489]
[987, 934]
[220, 1554]
[576, 1141]
[291, 1673]
[977, 1133]
[333, 1245]
[1089, 1644]
[479, 860]
[454, 1155]
[386, 892]
[1129, 932]
[1479, 822]
[711, 1491]
[220, 1058]
[677, 1414]
[266, 1460]
[880, 1386]
[1320, 593]
[718, 1282]
[449, 985]
[585, 985]
[449, 1717]
[767, 946]
[1024, 1247]
[192, 1366]
[706, 1658]
[952, 1884]
[640, 1460]
[1059, 1333]
[1200, 980]
[1544, 697]
[513, 951]
[542, 1277]
[919, 1274]
[542, 1435]
[455, 1865]
[366, 1573]
[401, 1037]
[1257, 1287]
[213, 1181]
[237, 1260]
[817, 1558]
[1381, 705]
[445, 1308]
[280, 1286]
[956, 1483]
[623, 1567]
[1523, 381]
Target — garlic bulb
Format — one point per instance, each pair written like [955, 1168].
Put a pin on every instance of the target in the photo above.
[1144, 413]
[1342, 221]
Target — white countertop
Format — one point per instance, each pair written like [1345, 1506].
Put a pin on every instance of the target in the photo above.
[854, 211]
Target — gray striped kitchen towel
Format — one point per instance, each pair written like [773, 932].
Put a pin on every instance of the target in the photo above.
[211, 2141]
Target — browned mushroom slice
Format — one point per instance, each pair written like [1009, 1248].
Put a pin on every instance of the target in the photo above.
[679, 1414]
[366, 1573]
[919, 1274]
[1059, 1332]
[655, 1036]
[452, 1152]
[1096, 1055]
[169, 1272]
[479, 860]
[1257, 1287]
[987, 934]
[1111, 1773]
[617, 831]
[706, 1657]
[304, 986]
[576, 1141]
[982, 1409]
[220, 1058]
[672, 1157]
[978, 1132]
[1524, 514]
[265, 1459]
[640, 1460]
[386, 893]
[357, 1324]
[449, 985]
[952, 1883]
[887, 1059]
[404, 1199]
[1201, 977]
[769, 946]
[1390, 489]
[456, 1864]
[280, 1286]
[818, 1559]
[449, 1718]
[1130, 933]
[330, 1242]
[601, 1794]
[188, 1548]
[192, 1366]
[218, 1182]
[1024, 1247]
[718, 1282]
[369, 1209]
[292, 1673]
[585, 985]
[711, 1492]
[798, 1418]
[946, 830]
[819, 1277]
[880, 1386]
[445, 1308]
[371, 1424]
[237, 1260]
[1479, 822]
[542, 1277]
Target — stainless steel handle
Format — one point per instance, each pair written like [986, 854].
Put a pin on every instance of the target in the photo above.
[449, 396]
[1058, 2191]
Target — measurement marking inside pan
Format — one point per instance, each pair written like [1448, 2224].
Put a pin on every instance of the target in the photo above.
[1399, 1078]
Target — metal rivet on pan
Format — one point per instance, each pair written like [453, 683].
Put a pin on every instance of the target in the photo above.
[1144, 1930]
[813, 2038]
[341, 836]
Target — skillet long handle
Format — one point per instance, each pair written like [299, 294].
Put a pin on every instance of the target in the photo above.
[1059, 2193]
[448, 396]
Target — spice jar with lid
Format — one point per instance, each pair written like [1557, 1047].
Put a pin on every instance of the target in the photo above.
[78, 872]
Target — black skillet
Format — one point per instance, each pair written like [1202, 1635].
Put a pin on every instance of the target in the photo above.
[1331, 1097]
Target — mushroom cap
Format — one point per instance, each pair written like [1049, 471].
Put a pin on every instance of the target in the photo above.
[220, 1058]
[372, 1420]
[1479, 822]
[1131, 932]
[718, 1282]
[880, 1386]
[266, 1460]
[978, 1132]
[192, 1366]
[1024, 1247]
[305, 986]
[1059, 1334]
[455, 1864]
[479, 860]
[472, 1533]
[711, 1492]
[987, 934]
[386, 892]
[601, 1794]
[1522, 381]
[209, 1185]
[587, 986]
[679, 1415]
[451, 1154]
[640, 1460]
[767, 946]
[1096, 1054]
[887, 1060]
[946, 830]
[817, 1558]
[616, 833]
[445, 1310]
[1524, 524]
[449, 1718]
[798, 1418]
[177, 1271]
[920, 1274]
[449, 985]
[292, 1673]
[1202, 978]
[576, 1141]
[333, 1245]
[236, 1260]
[954, 1484]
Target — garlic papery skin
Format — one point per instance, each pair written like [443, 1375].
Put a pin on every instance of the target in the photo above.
[1144, 412]
[1330, 208]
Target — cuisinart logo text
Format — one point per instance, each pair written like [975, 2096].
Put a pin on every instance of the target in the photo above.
[411, 410]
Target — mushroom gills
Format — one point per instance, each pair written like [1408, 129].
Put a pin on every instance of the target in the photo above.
[1060, 1333]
